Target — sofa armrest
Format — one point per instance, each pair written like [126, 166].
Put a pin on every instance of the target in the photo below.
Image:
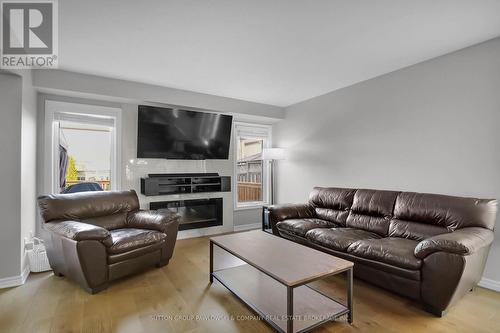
[282, 212]
[464, 241]
[161, 221]
[79, 231]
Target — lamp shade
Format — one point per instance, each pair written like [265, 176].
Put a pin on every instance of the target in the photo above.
[270, 154]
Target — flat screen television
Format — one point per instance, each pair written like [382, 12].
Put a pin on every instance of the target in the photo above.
[181, 134]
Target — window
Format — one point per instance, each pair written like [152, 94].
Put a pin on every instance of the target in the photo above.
[86, 155]
[251, 172]
[82, 148]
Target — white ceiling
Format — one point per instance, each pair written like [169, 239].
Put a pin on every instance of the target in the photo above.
[277, 52]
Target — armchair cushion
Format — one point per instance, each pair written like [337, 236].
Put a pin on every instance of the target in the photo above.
[79, 231]
[128, 239]
[162, 221]
[462, 241]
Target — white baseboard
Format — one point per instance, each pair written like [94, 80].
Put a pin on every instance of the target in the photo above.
[250, 226]
[490, 284]
[25, 273]
[17, 280]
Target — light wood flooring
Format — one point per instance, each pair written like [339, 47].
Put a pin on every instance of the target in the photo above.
[144, 302]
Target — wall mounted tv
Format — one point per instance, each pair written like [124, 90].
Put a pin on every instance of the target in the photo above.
[181, 134]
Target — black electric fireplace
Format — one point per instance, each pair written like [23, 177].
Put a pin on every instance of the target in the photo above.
[197, 213]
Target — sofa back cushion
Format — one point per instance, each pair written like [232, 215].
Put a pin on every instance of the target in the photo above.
[447, 213]
[414, 230]
[105, 209]
[332, 203]
[371, 210]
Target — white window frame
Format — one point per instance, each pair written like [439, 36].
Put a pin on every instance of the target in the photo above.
[258, 131]
[56, 111]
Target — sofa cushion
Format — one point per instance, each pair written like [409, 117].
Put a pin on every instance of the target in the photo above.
[128, 239]
[374, 202]
[445, 211]
[372, 210]
[300, 227]
[338, 238]
[394, 251]
[414, 230]
[332, 204]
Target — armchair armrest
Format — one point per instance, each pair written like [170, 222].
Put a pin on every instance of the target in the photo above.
[282, 212]
[462, 241]
[79, 231]
[162, 221]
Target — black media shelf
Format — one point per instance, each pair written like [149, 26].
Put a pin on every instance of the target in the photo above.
[180, 183]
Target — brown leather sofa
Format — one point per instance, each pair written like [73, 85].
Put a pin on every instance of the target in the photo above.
[429, 247]
[95, 237]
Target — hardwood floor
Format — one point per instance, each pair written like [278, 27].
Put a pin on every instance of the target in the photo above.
[144, 302]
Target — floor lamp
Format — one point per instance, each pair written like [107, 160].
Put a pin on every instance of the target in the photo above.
[271, 155]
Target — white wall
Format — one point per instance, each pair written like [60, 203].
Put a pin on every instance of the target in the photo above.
[246, 217]
[18, 173]
[28, 162]
[10, 174]
[432, 127]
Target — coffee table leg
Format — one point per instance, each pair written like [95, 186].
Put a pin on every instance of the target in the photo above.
[349, 295]
[289, 309]
[211, 261]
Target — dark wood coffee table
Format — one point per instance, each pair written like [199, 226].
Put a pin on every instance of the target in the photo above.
[272, 279]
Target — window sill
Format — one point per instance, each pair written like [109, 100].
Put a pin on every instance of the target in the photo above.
[250, 206]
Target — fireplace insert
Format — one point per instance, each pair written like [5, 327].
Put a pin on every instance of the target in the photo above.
[197, 213]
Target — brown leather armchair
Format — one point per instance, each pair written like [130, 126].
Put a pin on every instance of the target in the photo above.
[95, 237]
